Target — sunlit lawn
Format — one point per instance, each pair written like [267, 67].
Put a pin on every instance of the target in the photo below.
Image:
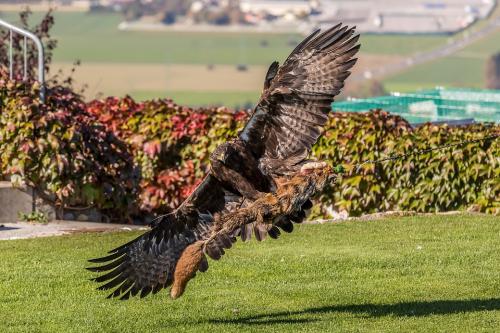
[424, 274]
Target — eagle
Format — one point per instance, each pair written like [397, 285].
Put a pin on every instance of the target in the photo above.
[259, 183]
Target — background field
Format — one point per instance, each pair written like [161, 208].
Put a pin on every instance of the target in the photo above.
[426, 274]
[96, 38]
[464, 69]
[173, 64]
[146, 64]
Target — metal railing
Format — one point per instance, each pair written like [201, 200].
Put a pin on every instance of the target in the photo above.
[41, 68]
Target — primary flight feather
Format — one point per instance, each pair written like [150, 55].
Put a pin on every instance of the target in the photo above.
[248, 175]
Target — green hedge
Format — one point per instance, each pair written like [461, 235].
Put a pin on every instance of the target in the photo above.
[57, 147]
[127, 157]
[458, 178]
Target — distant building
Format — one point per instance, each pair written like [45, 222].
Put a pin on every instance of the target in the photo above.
[409, 16]
[278, 8]
[115, 2]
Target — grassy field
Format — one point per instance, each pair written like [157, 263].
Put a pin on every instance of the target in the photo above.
[456, 71]
[96, 38]
[96, 41]
[464, 69]
[195, 84]
[425, 274]
[234, 99]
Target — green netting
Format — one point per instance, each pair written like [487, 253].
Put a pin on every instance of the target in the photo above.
[433, 105]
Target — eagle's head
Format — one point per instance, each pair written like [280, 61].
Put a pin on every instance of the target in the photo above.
[220, 154]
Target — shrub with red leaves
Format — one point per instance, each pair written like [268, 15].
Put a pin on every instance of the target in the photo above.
[170, 143]
[88, 153]
[61, 150]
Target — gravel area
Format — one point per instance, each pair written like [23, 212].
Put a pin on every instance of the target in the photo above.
[22, 230]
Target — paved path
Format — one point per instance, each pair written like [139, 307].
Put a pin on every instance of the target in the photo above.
[22, 230]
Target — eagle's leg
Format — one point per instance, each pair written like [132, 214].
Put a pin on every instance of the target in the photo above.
[235, 180]
[238, 169]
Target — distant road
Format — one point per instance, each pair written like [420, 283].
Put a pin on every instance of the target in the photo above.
[236, 28]
[43, 7]
[467, 38]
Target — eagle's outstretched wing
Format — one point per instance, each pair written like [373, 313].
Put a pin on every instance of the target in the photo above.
[297, 97]
[147, 263]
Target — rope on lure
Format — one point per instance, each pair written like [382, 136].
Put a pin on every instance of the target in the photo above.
[340, 169]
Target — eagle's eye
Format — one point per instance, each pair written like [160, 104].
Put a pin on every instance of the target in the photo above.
[219, 155]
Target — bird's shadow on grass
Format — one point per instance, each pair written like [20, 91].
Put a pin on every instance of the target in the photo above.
[404, 309]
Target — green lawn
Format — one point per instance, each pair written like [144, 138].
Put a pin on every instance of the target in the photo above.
[426, 274]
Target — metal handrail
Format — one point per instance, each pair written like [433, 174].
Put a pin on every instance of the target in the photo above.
[39, 45]
[41, 69]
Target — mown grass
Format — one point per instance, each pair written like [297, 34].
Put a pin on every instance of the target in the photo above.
[425, 274]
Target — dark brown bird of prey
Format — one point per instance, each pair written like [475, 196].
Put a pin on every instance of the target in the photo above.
[259, 183]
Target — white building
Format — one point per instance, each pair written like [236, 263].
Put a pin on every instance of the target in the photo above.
[278, 8]
[409, 16]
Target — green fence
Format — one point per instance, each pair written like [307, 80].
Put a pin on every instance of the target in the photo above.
[433, 105]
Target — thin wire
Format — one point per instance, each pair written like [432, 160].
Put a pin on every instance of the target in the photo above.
[391, 158]
[421, 152]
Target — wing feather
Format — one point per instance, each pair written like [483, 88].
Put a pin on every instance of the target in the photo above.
[147, 263]
[294, 106]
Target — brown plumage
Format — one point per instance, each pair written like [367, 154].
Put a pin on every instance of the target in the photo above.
[259, 183]
[187, 266]
[268, 211]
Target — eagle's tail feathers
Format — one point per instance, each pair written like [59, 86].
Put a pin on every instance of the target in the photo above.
[147, 264]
